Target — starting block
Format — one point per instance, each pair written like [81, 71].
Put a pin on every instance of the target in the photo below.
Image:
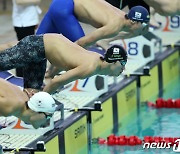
[169, 28]
[95, 86]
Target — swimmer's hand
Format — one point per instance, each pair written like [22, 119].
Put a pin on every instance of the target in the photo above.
[39, 120]
[30, 92]
[82, 42]
[51, 87]
[104, 44]
[78, 42]
[79, 72]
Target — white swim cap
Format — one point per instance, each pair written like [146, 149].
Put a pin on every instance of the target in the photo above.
[42, 102]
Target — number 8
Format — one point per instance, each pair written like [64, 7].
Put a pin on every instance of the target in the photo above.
[133, 48]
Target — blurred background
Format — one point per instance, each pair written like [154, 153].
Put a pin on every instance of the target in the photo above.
[7, 32]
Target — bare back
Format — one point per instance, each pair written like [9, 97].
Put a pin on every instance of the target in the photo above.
[64, 54]
[10, 97]
[95, 12]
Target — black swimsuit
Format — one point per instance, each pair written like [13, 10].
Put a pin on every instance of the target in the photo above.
[29, 54]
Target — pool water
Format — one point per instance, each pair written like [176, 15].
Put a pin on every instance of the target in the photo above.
[149, 122]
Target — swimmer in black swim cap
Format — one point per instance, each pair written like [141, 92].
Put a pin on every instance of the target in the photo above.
[78, 62]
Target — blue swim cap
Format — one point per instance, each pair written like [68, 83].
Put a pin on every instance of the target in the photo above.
[138, 13]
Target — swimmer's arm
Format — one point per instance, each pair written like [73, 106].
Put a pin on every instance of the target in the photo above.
[100, 33]
[71, 75]
[28, 2]
[36, 119]
[132, 33]
[7, 45]
[122, 35]
[105, 43]
[54, 71]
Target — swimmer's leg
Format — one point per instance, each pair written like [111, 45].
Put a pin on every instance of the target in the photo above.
[34, 75]
[28, 50]
[62, 14]
[46, 25]
[12, 58]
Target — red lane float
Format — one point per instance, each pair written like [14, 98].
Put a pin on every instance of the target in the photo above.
[161, 103]
[122, 140]
[135, 140]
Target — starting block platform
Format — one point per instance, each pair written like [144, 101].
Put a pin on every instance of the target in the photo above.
[17, 140]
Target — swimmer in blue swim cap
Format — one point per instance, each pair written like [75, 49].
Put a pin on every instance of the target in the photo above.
[63, 17]
[139, 18]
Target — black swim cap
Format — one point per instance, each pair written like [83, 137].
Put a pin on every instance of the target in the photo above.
[116, 53]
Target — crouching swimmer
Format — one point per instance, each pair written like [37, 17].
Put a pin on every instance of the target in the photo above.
[63, 17]
[33, 51]
[35, 110]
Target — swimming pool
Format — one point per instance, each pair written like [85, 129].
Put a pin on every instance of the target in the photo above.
[149, 122]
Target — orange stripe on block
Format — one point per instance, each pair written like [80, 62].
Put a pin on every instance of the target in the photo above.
[124, 44]
[75, 87]
[166, 28]
[18, 125]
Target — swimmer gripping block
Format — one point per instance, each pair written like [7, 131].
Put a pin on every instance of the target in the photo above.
[95, 85]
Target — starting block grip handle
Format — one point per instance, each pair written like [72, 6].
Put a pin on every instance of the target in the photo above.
[60, 108]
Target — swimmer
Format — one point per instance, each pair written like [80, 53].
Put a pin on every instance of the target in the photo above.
[63, 17]
[165, 7]
[35, 110]
[32, 53]
[132, 16]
